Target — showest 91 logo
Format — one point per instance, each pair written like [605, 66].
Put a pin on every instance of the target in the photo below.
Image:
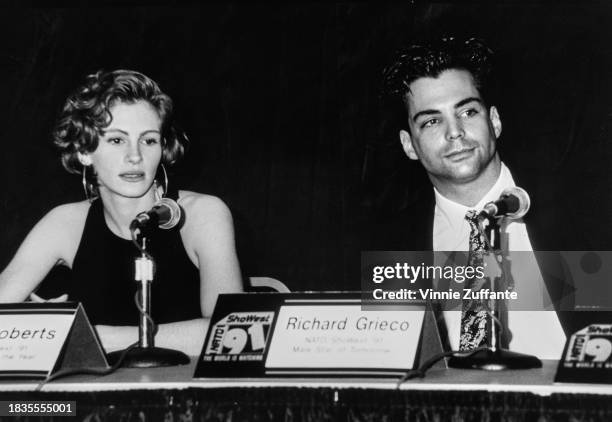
[591, 347]
[240, 333]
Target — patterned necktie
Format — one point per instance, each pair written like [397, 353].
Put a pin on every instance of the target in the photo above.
[473, 312]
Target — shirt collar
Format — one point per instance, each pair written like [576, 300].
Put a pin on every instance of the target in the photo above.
[454, 212]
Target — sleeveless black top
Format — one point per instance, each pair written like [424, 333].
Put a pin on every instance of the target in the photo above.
[103, 275]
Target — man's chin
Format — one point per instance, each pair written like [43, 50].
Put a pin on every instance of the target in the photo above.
[465, 172]
[468, 169]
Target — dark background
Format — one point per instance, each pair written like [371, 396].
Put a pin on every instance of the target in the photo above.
[281, 103]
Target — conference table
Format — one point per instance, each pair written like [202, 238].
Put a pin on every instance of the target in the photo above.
[172, 394]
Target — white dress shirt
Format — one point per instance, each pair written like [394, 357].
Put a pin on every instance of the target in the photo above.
[534, 332]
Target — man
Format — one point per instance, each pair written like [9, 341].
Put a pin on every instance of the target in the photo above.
[453, 129]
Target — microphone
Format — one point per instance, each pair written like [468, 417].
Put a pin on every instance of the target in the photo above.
[165, 214]
[513, 203]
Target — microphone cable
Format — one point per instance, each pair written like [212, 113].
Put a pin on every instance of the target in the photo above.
[154, 326]
[147, 255]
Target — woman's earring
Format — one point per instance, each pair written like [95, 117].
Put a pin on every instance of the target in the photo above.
[165, 187]
[156, 187]
[84, 182]
[88, 187]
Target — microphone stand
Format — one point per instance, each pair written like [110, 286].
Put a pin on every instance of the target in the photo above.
[493, 357]
[146, 355]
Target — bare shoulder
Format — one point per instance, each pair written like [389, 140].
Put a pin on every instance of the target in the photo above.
[208, 231]
[64, 224]
[53, 239]
[200, 207]
[71, 215]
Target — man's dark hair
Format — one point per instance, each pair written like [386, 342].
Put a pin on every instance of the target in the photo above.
[431, 59]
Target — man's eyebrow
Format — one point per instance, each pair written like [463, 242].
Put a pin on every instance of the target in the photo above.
[469, 100]
[425, 113]
[433, 112]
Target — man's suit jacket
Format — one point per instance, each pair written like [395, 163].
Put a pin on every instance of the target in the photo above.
[549, 229]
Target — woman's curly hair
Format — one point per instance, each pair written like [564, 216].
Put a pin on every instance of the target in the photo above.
[87, 112]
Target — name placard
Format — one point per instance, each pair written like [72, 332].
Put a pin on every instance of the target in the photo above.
[342, 336]
[37, 339]
[311, 334]
[587, 357]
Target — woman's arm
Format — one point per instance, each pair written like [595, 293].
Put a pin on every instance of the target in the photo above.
[53, 240]
[208, 233]
[186, 336]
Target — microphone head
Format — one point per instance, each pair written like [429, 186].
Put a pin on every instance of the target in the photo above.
[172, 214]
[524, 202]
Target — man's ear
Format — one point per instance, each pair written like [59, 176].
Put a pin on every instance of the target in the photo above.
[406, 140]
[495, 121]
[84, 159]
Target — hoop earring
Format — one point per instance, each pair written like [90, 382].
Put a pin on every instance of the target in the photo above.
[88, 187]
[156, 193]
[165, 186]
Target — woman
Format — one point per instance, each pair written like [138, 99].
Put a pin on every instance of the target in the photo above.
[116, 131]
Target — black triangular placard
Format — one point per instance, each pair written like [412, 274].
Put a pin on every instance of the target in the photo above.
[431, 343]
[82, 348]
